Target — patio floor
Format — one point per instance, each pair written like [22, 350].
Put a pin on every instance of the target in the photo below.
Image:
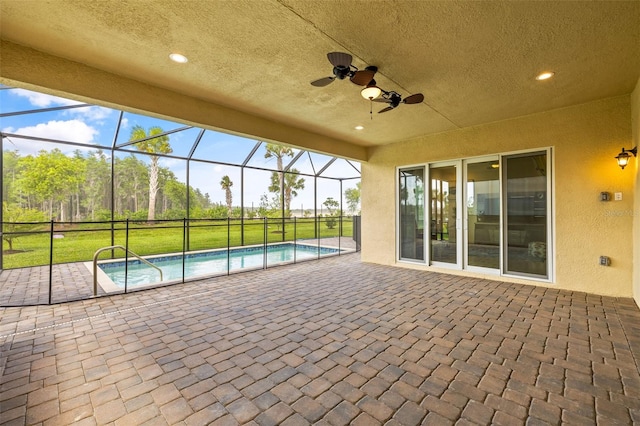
[334, 342]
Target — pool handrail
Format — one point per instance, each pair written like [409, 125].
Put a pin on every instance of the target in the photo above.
[95, 264]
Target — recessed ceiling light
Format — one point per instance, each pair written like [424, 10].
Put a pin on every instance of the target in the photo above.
[176, 57]
[359, 127]
[545, 75]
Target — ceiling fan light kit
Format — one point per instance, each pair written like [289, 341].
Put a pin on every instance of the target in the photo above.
[371, 91]
[343, 68]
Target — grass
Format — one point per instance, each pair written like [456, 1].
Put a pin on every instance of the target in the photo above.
[78, 242]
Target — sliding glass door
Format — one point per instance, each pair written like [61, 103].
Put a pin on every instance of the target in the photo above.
[411, 209]
[443, 208]
[482, 214]
[488, 214]
[526, 214]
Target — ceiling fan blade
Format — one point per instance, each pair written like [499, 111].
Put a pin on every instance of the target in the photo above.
[339, 59]
[362, 78]
[414, 99]
[322, 81]
[385, 110]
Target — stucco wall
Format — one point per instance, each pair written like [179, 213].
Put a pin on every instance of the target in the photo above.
[584, 139]
[635, 124]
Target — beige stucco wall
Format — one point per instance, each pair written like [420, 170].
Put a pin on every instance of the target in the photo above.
[635, 124]
[584, 138]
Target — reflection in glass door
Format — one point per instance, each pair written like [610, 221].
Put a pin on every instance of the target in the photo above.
[526, 214]
[483, 214]
[412, 213]
[443, 210]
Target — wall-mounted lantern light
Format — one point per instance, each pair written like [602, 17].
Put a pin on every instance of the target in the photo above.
[623, 157]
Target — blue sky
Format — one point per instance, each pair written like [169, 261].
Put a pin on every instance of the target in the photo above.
[97, 125]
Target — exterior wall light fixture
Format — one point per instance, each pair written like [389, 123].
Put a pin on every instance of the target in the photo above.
[623, 157]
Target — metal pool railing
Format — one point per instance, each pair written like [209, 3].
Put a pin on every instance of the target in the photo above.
[95, 264]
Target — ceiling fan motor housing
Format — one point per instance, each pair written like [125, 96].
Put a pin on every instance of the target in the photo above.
[395, 99]
[341, 72]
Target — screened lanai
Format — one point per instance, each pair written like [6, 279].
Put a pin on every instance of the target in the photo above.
[84, 182]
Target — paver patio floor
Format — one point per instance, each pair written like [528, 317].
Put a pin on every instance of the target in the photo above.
[334, 342]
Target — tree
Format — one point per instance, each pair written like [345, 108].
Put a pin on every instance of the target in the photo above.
[13, 230]
[10, 173]
[129, 174]
[51, 177]
[352, 196]
[331, 205]
[96, 184]
[226, 184]
[292, 184]
[80, 166]
[174, 195]
[154, 146]
[198, 203]
[268, 208]
[278, 152]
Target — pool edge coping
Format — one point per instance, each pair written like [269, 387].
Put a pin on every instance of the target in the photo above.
[109, 287]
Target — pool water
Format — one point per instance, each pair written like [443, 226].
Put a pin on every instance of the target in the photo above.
[208, 263]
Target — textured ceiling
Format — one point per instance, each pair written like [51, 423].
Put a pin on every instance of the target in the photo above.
[475, 62]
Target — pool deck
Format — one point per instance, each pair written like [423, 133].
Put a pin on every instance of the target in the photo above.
[332, 342]
[74, 281]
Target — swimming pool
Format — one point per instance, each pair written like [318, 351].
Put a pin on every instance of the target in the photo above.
[205, 263]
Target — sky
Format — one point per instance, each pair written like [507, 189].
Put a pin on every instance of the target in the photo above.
[97, 125]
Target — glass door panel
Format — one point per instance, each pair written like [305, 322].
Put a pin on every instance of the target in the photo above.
[526, 218]
[443, 220]
[412, 213]
[483, 214]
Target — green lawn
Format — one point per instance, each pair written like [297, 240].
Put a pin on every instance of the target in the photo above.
[79, 242]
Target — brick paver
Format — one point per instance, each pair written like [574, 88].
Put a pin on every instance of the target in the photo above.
[331, 342]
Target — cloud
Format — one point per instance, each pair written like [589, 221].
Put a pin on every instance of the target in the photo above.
[42, 100]
[92, 113]
[71, 130]
[174, 164]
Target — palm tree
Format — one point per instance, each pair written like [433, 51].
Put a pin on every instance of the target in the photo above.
[279, 152]
[226, 184]
[159, 145]
[292, 183]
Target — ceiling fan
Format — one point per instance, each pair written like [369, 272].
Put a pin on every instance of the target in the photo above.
[343, 68]
[394, 100]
